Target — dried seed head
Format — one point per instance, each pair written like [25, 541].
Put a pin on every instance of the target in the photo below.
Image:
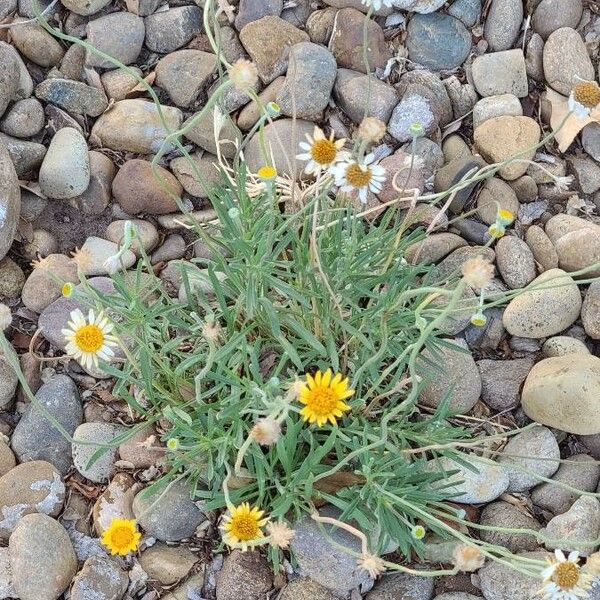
[478, 272]
[468, 558]
[266, 432]
[372, 564]
[371, 130]
[280, 534]
[244, 75]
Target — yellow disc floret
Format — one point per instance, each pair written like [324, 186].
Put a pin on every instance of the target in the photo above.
[323, 397]
[243, 525]
[121, 537]
[587, 93]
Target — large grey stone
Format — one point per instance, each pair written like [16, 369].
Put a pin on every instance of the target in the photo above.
[10, 201]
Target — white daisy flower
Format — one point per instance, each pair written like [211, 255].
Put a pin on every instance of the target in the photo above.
[564, 579]
[321, 152]
[377, 4]
[354, 176]
[584, 97]
[89, 340]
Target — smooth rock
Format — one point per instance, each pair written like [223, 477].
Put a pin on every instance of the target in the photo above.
[505, 515]
[310, 76]
[85, 7]
[352, 91]
[433, 248]
[525, 188]
[319, 25]
[9, 78]
[429, 86]
[590, 140]
[184, 74]
[462, 96]
[501, 381]
[576, 528]
[566, 60]
[454, 379]
[347, 42]
[96, 197]
[534, 58]
[12, 279]
[561, 224]
[35, 437]
[25, 156]
[501, 73]
[135, 450]
[398, 173]
[483, 482]
[515, 262]
[281, 139]
[437, 41]
[383, 11]
[74, 96]
[114, 502]
[100, 579]
[31, 487]
[167, 564]
[562, 392]
[203, 162]
[25, 118]
[542, 248]
[8, 383]
[95, 435]
[501, 138]
[10, 201]
[503, 23]
[562, 344]
[551, 15]
[586, 173]
[244, 575]
[168, 515]
[119, 34]
[496, 106]
[134, 126]
[169, 30]
[172, 248]
[146, 235]
[249, 115]
[413, 108]
[579, 250]
[494, 195]
[117, 84]
[45, 283]
[402, 585]
[7, 459]
[202, 133]
[305, 589]
[268, 42]
[252, 10]
[501, 582]
[316, 549]
[468, 11]
[138, 190]
[65, 170]
[35, 43]
[25, 85]
[580, 472]
[97, 251]
[528, 456]
[590, 308]
[453, 173]
[41, 543]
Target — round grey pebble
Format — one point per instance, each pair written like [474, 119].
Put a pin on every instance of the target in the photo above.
[96, 434]
[23, 119]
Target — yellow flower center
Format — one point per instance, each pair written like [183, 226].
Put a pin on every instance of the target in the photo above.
[587, 93]
[356, 177]
[244, 527]
[323, 152]
[267, 172]
[566, 575]
[122, 537]
[323, 400]
[89, 338]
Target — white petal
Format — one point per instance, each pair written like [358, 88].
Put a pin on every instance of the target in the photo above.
[559, 555]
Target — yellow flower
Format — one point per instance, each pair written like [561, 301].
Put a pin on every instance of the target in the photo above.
[242, 525]
[244, 75]
[88, 340]
[67, 289]
[267, 173]
[478, 319]
[564, 578]
[323, 397]
[504, 217]
[418, 532]
[584, 97]
[121, 537]
[496, 230]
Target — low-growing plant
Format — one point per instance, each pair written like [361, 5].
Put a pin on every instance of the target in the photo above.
[285, 371]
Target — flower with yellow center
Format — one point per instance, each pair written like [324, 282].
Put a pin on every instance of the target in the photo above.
[323, 397]
[242, 525]
[504, 217]
[418, 532]
[584, 97]
[478, 319]
[564, 578]
[89, 340]
[121, 536]
[267, 173]
[496, 230]
[67, 289]
[359, 177]
[244, 75]
[478, 272]
[321, 152]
